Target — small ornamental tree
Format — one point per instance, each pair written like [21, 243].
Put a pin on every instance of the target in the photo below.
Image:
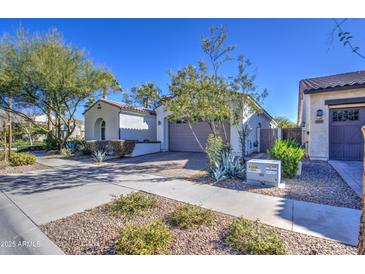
[202, 93]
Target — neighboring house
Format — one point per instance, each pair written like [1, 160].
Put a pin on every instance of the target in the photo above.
[177, 136]
[110, 120]
[79, 131]
[332, 111]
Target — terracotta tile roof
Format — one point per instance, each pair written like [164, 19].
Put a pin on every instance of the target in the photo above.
[332, 82]
[123, 106]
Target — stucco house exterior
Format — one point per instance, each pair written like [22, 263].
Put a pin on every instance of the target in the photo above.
[331, 109]
[111, 120]
[177, 136]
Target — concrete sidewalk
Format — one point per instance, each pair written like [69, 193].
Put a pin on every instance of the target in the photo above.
[19, 235]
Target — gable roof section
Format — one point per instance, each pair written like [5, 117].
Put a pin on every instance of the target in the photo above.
[329, 83]
[122, 106]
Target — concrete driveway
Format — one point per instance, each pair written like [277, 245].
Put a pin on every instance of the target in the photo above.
[177, 165]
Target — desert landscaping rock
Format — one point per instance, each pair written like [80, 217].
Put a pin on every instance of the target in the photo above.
[95, 231]
[319, 183]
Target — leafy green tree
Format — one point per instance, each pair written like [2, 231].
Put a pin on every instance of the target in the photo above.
[46, 73]
[284, 122]
[146, 95]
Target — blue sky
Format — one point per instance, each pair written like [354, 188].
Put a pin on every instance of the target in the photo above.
[283, 51]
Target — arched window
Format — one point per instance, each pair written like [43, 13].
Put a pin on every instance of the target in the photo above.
[102, 130]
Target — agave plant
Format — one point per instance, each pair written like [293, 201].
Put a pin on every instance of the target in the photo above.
[231, 165]
[72, 146]
[218, 173]
[228, 166]
[99, 156]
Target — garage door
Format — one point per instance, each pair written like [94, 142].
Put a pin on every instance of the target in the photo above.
[181, 137]
[345, 138]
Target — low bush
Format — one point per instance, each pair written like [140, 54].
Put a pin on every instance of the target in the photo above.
[118, 148]
[252, 238]
[147, 239]
[22, 159]
[122, 147]
[66, 152]
[133, 204]
[289, 153]
[189, 216]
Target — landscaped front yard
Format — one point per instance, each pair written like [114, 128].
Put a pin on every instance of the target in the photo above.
[116, 228]
[319, 183]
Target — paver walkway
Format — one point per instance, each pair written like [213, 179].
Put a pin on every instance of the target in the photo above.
[51, 194]
[351, 172]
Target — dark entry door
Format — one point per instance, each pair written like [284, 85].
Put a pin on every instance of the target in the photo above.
[345, 138]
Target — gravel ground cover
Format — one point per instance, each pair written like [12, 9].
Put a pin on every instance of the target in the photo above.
[95, 231]
[5, 168]
[319, 183]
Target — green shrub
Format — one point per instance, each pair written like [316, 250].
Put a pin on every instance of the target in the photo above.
[147, 239]
[22, 159]
[252, 238]
[115, 147]
[213, 150]
[133, 204]
[188, 216]
[122, 147]
[289, 154]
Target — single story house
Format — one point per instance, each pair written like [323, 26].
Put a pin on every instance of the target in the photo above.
[110, 120]
[331, 109]
[177, 136]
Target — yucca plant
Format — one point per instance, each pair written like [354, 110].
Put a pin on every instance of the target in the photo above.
[231, 165]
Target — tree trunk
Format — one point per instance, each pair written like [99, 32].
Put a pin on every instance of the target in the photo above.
[224, 131]
[5, 148]
[196, 137]
[10, 102]
[361, 246]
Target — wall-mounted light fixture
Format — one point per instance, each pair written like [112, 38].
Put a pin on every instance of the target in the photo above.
[320, 113]
[319, 116]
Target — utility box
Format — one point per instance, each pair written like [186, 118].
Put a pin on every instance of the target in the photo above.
[264, 171]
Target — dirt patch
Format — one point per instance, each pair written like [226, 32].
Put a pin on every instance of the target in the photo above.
[95, 231]
[5, 168]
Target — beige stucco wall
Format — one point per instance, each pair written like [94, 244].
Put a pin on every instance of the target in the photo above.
[109, 113]
[318, 139]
